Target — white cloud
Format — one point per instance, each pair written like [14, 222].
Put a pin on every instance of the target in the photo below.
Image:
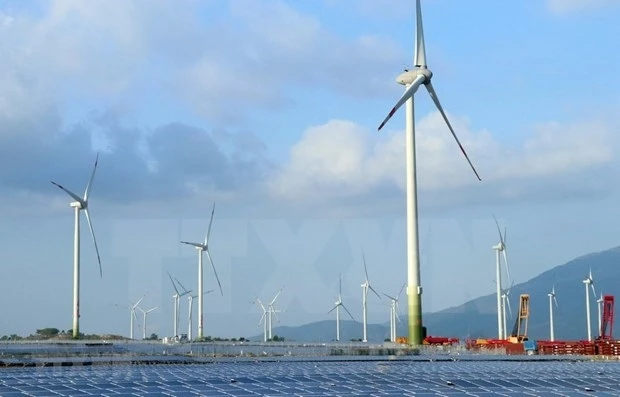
[340, 159]
[569, 6]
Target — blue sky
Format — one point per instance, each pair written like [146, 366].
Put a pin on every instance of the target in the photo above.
[270, 108]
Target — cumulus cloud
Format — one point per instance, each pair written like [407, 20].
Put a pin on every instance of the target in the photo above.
[340, 159]
[569, 6]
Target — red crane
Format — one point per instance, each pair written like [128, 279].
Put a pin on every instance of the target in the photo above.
[607, 322]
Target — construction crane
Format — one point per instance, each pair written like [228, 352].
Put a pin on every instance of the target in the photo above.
[607, 322]
[519, 332]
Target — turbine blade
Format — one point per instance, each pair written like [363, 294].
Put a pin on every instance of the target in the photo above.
[556, 301]
[178, 282]
[506, 263]
[420, 50]
[348, 312]
[138, 302]
[69, 192]
[276, 297]
[90, 181]
[215, 272]
[509, 308]
[373, 290]
[435, 98]
[333, 308]
[92, 233]
[501, 239]
[173, 284]
[365, 269]
[192, 244]
[391, 297]
[340, 284]
[209, 229]
[401, 291]
[408, 94]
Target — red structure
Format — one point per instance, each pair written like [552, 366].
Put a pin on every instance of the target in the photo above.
[607, 322]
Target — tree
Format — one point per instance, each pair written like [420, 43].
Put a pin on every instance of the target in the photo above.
[48, 332]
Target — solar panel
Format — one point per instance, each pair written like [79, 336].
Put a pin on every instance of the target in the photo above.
[319, 378]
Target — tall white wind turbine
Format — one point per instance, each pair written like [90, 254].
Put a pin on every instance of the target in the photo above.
[394, 313]
[189, 317]
[500, 248]
[552, 300]
[132, 315]
[144, 314]
[412, 79]
[204, 247]
[589, 283]
[337, 307]
[80, 204]
[365, 287]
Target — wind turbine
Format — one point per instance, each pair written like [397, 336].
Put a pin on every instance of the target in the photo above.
[263, 318]
[78, 205]
[191, 300]
[132, 315]
[204, 247]
[144, 313]
[506, 303]
[177, 305]
[271, 310]
[499, 249]
[551, 301]
[589, 282]
[394, 313]
[337, 306]
[365, 287]
[412, 79]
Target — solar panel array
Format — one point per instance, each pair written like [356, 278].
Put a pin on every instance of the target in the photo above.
[317, 378]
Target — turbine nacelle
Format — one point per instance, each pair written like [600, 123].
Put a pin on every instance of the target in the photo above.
[410, 75]
[79, 204]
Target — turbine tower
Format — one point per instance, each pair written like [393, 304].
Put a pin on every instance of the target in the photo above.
[394, 313]
[500, 248]
[204, 247]
[412, 79]
[80, 204]
[365, 287]
[551, 301]
[177, 304]
[337, 306]
[589, 282]
[190, 325]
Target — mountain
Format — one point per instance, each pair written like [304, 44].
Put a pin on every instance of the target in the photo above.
[478, 317]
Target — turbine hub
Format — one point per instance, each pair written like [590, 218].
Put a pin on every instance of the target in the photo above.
[77, 204]
[409, 76]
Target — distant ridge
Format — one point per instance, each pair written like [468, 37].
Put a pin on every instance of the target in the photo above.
[478, 318]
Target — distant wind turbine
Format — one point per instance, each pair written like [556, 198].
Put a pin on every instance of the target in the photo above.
[394, 313]
[365, 287]
[190, 325]
[589, 282]
[500, 248]
[204, 247]
[412, 79]
[144, 313]
[552, 300]
[177, 304]
[599, 304]
[80, 204]
[337, 307]
[132, 315]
